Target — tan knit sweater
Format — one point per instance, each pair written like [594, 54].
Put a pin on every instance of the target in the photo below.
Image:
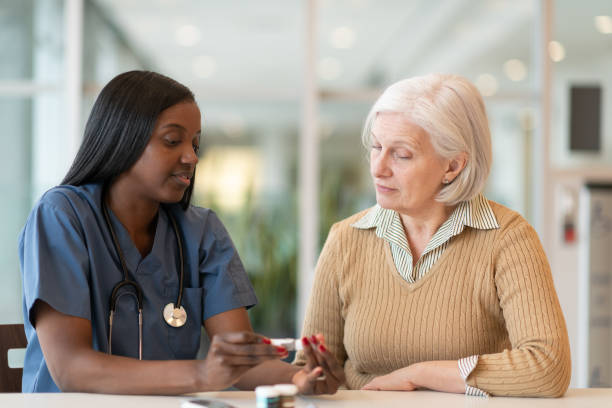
[491, 293]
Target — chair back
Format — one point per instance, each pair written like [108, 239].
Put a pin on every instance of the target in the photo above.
[12, 336]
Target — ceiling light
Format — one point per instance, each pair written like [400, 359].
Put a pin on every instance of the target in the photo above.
[187, 35]
[603, 24]
[556, 51]
[329, 68]
[342, 38]
[515, 70]
[204, 66]
[487, 84]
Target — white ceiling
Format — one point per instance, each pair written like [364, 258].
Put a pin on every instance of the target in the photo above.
[256, 46]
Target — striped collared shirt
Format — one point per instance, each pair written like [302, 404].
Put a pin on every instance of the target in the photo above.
[475, 213]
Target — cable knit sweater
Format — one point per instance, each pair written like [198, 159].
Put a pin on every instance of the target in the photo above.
[490, 294]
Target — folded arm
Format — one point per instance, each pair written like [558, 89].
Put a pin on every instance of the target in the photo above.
[538, 363]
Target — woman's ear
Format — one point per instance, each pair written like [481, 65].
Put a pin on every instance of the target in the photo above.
[455, 165]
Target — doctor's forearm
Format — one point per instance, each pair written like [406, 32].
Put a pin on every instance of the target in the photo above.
[92, 371]
[270, 372]
[74, 366]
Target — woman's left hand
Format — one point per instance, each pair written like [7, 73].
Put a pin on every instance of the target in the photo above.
[433, 375]
[398, 380]
[322, 374]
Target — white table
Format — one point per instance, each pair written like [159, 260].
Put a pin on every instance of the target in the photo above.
[580, 398]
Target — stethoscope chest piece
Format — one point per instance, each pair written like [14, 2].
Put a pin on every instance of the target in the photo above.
[175, 317]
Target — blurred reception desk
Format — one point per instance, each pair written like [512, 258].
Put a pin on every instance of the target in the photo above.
[579, 397]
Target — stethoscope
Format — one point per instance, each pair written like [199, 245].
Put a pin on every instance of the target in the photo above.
[175, 316]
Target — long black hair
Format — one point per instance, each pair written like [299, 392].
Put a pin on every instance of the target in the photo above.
[120, 125]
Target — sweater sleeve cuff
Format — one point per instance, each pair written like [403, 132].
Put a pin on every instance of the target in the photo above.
[466, 366]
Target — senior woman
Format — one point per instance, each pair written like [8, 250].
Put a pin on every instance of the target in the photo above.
[435, 286]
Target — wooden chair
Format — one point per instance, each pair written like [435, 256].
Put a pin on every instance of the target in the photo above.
[12, 336]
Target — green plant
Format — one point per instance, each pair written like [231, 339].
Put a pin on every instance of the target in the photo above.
[265, 237]
[265, 233]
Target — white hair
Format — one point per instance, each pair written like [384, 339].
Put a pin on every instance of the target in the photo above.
[451, 111]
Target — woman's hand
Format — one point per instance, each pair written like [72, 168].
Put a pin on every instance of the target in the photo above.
[433, 375]
[398, 380]
[232, 354]
[322, 374]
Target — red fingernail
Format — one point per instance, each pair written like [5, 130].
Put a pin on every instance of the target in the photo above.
[266, 341]
[322, 348]
[314, 339]
[305, 341]
[281, 350]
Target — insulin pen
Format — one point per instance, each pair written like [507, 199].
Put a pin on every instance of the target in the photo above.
[288, 343]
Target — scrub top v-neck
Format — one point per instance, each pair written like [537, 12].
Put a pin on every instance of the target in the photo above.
[69, 261]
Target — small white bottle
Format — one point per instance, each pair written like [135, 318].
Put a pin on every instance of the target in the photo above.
[267, 397]
[287, 393]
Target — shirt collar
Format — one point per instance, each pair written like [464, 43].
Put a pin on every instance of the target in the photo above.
[475, 213]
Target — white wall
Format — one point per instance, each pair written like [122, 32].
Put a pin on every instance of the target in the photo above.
[570, 171]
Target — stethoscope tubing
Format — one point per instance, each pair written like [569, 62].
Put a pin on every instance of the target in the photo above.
[126, 281]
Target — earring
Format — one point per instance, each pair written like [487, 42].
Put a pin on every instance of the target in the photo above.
[445, 181]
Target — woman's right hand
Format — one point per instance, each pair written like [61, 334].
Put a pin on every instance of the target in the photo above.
[232, 354]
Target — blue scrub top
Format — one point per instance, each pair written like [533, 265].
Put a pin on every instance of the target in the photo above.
[68, 260]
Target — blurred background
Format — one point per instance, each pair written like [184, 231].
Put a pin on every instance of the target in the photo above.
[284, 87]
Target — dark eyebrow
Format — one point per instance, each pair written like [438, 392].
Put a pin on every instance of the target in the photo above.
[177, 126]
[173, 125]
